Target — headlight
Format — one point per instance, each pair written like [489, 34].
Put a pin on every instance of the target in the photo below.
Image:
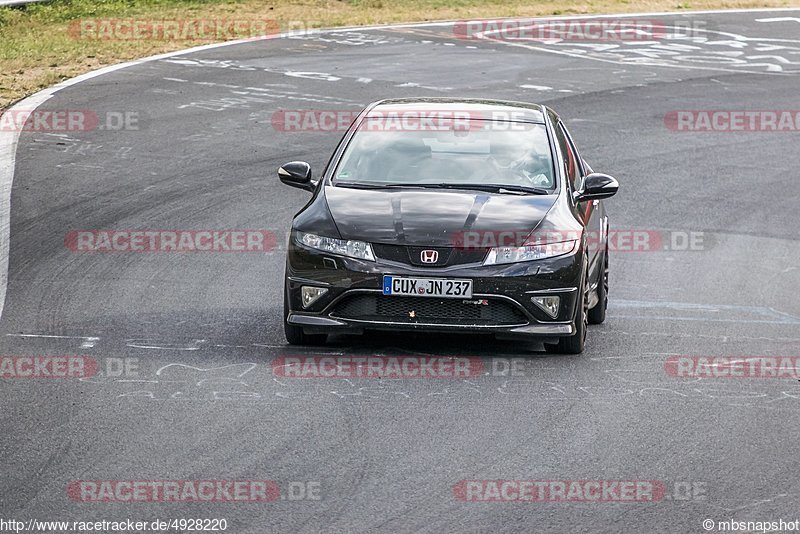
[341, 247]
[529, 252]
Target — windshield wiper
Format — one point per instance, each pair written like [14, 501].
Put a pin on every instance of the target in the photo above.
[496, 188]
[491, 188]
[364, 185]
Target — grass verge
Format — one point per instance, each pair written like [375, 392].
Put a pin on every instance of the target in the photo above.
[41, 44]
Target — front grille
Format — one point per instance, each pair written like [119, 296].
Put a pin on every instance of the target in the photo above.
[448, 256]
[428, 310]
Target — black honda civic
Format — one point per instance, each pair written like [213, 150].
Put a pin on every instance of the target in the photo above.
[465, 215]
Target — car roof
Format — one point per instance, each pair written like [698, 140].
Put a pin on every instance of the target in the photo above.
[478, 108]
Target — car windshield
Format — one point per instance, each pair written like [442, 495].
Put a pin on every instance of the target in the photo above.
[473, 153]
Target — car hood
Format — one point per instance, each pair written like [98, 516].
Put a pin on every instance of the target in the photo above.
[430, 217]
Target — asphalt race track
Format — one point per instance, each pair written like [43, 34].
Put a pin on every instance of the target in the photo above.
[185, 342]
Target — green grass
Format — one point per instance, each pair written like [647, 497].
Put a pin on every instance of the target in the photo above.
[37, 50]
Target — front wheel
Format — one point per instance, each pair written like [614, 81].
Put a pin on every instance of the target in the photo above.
[575, 343]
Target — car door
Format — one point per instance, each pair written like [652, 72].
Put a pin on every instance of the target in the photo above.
[590, 212]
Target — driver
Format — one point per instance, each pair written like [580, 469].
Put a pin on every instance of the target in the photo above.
[518, 165]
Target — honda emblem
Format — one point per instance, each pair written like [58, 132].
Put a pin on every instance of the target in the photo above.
[429, 256]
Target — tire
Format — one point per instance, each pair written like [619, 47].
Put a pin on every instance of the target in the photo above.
[575, 343]
[295, 334]
[598, 314]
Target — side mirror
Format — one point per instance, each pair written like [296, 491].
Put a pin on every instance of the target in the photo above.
[597, 186]
[296, 174]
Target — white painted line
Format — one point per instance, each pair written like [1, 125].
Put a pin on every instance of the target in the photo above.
[537, 87]
[779, 19]
[13, 3]
[9, 140]
[87, 343]
[559, 17]
[770, 67]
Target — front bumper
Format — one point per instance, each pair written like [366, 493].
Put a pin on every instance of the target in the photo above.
[501, 303]
[318, 324]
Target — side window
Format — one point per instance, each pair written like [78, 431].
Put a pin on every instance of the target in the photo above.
[570, 157]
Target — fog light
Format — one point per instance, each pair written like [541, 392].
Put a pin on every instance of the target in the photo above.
[549, 305]
[310, 294]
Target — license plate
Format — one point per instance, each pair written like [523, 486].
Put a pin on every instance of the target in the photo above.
[427, 287]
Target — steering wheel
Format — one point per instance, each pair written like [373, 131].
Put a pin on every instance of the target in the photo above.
[399, 170]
